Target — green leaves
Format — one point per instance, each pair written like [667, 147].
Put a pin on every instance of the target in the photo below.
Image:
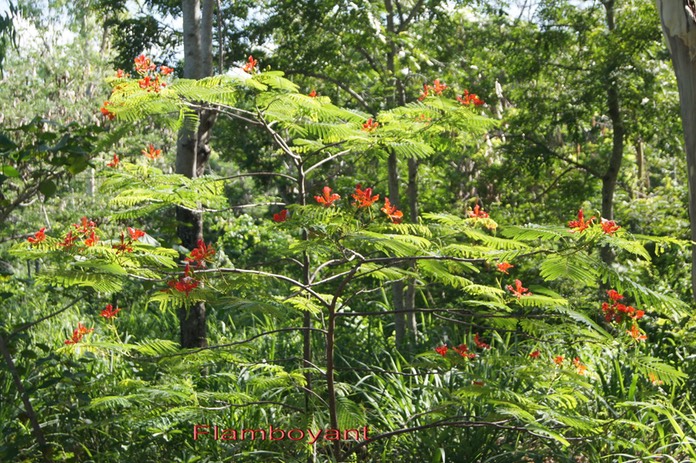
[576, 267]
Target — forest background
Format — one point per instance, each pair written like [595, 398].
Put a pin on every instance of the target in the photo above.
[463, 225]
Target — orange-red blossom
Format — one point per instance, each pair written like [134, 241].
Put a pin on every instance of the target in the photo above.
[392, 212]
[327, 198]
[363, 198]
[78, 333]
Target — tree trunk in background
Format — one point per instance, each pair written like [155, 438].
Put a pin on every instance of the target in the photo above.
[193, 150]
[397, 287]
[678, 18]
[618, 132]
[393, 175]
[410, 296]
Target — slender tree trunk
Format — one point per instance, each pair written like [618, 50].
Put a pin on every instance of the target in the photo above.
[393, 172]
[193, 150]
[397, 287]
[618, 133]
[410, 296]
[679, 27]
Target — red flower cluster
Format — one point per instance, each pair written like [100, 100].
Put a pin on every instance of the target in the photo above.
[370, 125]
[463, 350]
[250, 65]
[38, 237]
[127, 245]
[437, 88]
[200, 254]
[78, 333]
[109, 312]
[363, 198]
[280, 216]
[616, 311]
[392, 212]
[480, 344]
[518, 290]
[144, 65]
[85, 226]
[86, 229]
[580, 225]
[69, 240]
[579, 366]
[535, 354]
[636, 333]
[504, 267]
[470, 98]
[609, 227]
[151, 153]
[92, 239]
[150, 79]
[135, 234]
[327, 198]
[105, 112]
[115, 162]
[478, 213]
[186, 283]
[312, 94]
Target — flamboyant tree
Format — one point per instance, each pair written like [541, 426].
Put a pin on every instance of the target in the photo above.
[381, 52]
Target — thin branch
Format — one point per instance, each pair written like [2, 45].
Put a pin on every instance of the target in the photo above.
[330, 158]
[558, 155]
[272, 275]
[246, 206]
[339, 83]
[222, 109]
[333, 277]
[373, 64]
[278, 139]
[235, 343]
[326, 264]
[26, 326]
[411, 16]
[555, 181]
[398, 260]
[257, 174]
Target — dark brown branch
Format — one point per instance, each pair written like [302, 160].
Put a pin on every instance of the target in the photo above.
[414, 11]
[28, 408]
[26, 326]
[553, 184]
[235, 343]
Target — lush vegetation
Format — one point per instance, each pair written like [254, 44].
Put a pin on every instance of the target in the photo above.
[425, 231]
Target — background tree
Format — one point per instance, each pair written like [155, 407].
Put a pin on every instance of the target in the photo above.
[676, 18]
